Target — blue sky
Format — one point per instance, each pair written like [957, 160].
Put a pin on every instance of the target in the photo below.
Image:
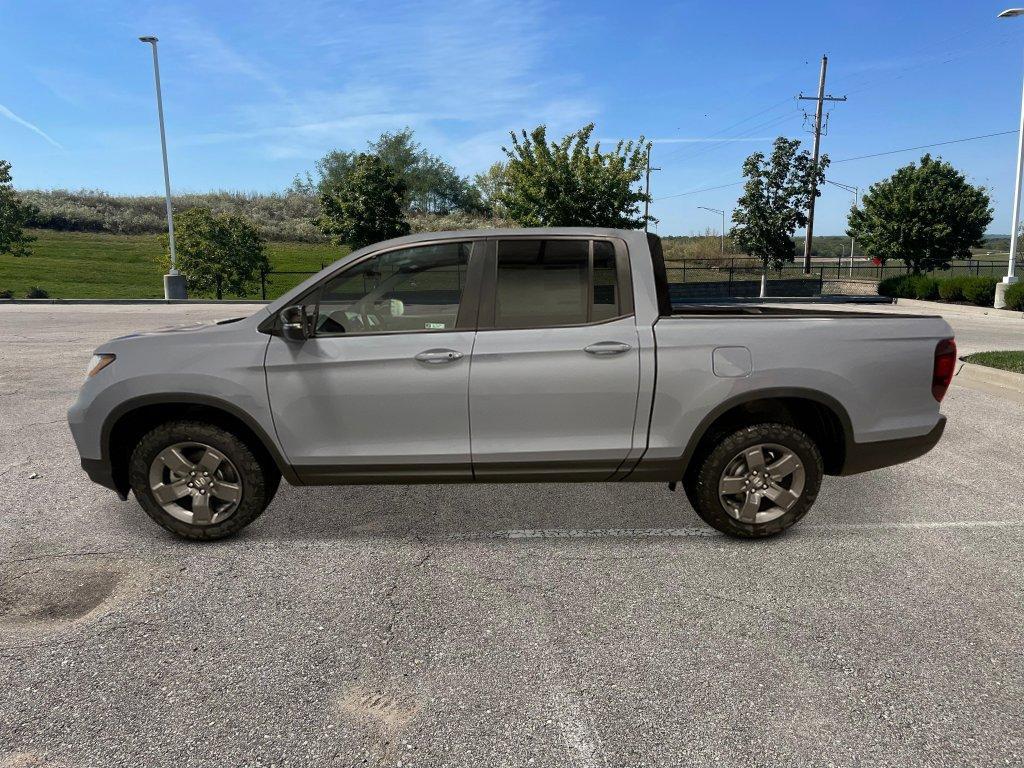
[254, 93]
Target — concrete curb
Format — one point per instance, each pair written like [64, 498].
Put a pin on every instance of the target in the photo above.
[941, 307]
[987, 375]
[132, 301]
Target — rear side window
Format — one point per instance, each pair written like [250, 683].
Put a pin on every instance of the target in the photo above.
[549, 283]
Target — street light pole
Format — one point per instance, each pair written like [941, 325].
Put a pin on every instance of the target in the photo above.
[716, 210]
[174, 283]
[1010, 277]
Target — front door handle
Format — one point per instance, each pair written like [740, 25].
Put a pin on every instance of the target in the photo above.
[607, 348]
[438, 356]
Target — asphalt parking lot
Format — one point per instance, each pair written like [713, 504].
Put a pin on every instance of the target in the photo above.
[523, 625]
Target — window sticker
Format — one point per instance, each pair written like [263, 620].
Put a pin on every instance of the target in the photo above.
[434, 326]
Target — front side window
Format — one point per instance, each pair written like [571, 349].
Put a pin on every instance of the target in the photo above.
[550, 283]
[413, 289]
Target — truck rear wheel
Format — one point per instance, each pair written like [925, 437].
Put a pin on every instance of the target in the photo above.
[756, 481]
[199, 480]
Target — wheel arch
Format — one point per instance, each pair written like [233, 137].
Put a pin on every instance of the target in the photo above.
[821, 416]
[133, 418]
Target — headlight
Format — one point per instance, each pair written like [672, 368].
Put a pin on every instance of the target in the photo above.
[97, 364]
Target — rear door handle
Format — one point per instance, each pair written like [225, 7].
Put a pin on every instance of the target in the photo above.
[439, 356]
[607, 348]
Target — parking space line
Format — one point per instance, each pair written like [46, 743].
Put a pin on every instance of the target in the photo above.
[658, 533]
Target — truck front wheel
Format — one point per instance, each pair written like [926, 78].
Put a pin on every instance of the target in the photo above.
[199, 480]
[756, 481]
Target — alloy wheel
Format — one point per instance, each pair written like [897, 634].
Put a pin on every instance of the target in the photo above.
[761, 483]
[195, 483]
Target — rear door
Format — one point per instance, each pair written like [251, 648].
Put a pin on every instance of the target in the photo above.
[555, 371]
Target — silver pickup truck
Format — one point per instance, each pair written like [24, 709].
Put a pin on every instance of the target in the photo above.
[525, 355]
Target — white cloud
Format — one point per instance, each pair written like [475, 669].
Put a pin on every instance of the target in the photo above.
[460, 75]
[25, 123]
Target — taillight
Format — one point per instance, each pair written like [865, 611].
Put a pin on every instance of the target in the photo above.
[945, 365]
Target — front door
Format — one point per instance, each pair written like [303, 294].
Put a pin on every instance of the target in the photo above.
[380, 391]
[556, 368]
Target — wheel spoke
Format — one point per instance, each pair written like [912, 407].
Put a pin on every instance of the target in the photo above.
[168, 492]
[210, 460]
[748, 512]
[754, 458]
[201, 513]
[227, 491]
[781, 497]
[175, 461]
[731, 485]
[784, 467]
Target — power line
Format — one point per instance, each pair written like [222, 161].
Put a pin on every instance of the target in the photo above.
[696, 191]
[925, 146]
[730, 140]
[847, 160]
[719, 132]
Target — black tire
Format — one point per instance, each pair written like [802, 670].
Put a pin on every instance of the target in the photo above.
[259, 481]
[702, 486]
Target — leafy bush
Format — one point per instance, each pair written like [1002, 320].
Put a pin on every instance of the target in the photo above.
[1015, 297]
[895, 287]
[6, 294]
[952, 289]
[924, 287]
[980, 290]
[910, 287]
[36, 293]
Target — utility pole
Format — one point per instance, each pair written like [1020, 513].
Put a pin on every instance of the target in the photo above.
[647, 189]
[821, 98]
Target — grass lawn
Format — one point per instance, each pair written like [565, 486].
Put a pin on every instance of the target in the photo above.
[87, 265]
[1007, 361]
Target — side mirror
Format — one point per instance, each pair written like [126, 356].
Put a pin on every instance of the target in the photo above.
[296, 323]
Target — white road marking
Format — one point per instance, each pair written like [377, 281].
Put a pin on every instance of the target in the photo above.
[659, 533]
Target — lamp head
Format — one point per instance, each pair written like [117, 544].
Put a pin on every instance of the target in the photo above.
[148, 39]
[1009, 13]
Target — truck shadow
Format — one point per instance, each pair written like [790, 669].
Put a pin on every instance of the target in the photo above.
[468, 511]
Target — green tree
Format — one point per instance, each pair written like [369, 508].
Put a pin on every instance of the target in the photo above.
[570, 183]
[14, 215]
[431, 184]
[774, 201]
[926, 214]
[490, 184]
[367, 207]
[218, 253]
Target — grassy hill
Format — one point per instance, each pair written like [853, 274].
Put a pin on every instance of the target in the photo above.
[95, 265]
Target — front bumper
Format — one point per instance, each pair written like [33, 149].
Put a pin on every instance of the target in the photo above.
[864, 457]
